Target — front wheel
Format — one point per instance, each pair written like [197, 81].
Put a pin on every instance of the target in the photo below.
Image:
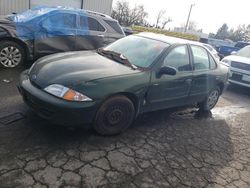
[114, 116]
[11, 54]
[211, 100]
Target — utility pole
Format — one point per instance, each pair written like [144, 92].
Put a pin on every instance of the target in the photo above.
[188, 17]
[82, 2]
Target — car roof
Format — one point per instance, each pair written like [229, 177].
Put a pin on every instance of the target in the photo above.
[42, 10]
[167, 39]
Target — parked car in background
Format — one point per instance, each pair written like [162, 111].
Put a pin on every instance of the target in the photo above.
[47, 30]
[241, 44]
[134, 75]
[128, 30]
[239, 64]
[212, 50]
[224, 51]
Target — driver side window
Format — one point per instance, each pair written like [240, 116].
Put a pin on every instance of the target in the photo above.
[178, 58]
[60, 21]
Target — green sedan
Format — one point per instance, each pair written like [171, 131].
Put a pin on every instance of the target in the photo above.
[110, 87]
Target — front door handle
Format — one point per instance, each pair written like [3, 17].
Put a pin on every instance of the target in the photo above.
[189, 80]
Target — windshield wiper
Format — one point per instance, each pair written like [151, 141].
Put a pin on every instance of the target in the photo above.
[117, 57]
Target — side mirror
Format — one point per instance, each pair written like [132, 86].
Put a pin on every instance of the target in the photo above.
[168, 71]
[233, 52]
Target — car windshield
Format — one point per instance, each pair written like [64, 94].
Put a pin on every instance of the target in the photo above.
[244, 52]
[138, 50]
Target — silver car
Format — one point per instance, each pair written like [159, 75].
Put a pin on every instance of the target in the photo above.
[239, 64]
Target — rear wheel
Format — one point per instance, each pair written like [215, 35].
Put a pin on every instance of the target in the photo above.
[211, 100]
[11, 54]
[114, 116]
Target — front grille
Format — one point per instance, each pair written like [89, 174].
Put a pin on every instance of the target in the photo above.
[236, 77]
[239, 65]
[46, 113]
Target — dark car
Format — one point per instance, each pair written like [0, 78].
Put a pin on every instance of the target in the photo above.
[111, 87]
[241, 44]
[128, 31]
[47, 30]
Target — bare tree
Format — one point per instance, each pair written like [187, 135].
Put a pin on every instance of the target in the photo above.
[161, 19]
[242, 33]
[165, 22]
[160, 15]
[192, 25]
[127, 16]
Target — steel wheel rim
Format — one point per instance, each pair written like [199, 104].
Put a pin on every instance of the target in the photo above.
[10, 56]
[115, 116]
[213, 98]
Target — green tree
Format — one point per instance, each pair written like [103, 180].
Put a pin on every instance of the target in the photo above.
[222, 32]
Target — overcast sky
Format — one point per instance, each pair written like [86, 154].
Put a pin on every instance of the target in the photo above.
[208, 14]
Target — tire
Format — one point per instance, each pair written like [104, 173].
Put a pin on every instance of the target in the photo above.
[11, 54]
[114, 116]
[211, 100]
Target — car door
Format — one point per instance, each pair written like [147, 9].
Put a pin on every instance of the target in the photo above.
[91, 34]
[170, 91]
[56, 34]
[204, 78]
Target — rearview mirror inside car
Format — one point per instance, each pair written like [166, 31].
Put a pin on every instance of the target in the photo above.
[168, 71]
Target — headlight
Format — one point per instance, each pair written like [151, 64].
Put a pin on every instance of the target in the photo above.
[66, 93]
[226, 62]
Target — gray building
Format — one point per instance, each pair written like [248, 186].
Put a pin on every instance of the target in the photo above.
[9, 6]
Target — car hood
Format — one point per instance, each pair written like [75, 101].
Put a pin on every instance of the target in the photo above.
[3, 20]
[72, 68]
[238, 59]
[7, 26]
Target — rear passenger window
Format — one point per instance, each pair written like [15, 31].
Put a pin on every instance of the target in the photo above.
[115, 26]
[213, 64]
[61, 20]
[83, 22]
[94, 25]
[201, 59]
[179, 59]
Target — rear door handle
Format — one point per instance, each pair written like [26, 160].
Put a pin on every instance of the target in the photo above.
[101, 36]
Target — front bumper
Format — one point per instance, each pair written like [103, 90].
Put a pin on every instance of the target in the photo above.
[55, 109]
[237, 77]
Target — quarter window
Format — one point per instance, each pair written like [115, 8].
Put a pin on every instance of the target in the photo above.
[94, 25]
[179, 59]
[114, 26]
[201, 59]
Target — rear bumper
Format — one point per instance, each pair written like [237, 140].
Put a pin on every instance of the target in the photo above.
[55, 109]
